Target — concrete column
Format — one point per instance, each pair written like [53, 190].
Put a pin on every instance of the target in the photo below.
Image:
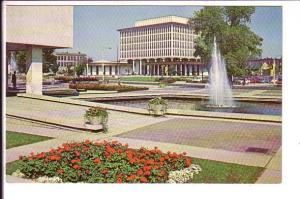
[176, 69]
[34, 75]
[190, 70]
[181, 71]
[133, 66]
[140, 70]
[86, 69]
[8, 57]
[185, 70]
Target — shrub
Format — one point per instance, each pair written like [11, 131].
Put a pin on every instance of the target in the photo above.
[158, 101]
[61, 92]
[167, 80]
[103, 162]
[107, 87]
[67, 79]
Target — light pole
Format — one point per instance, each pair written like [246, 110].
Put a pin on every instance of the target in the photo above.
[102, 51]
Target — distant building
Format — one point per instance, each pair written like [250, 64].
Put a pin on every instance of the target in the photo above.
[111, 68]
[160, 46]
[66, 59]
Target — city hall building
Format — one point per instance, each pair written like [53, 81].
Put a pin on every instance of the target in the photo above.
[160, 46]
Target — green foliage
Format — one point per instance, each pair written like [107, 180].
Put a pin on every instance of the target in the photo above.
[79, 69]
[49, 61]
[229, 25]
[97, 112]
[158, 101]
[14, 139]
[21, 61]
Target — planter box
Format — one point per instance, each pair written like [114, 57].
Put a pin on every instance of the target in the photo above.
[157, 110]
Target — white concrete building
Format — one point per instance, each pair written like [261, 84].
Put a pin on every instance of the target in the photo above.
[160, 46]
[65, 59]
[33, 28]
[111, 68]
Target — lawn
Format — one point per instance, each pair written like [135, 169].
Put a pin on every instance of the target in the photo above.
[138, 79]
[220, 172]
[14, 139]
[212, 172]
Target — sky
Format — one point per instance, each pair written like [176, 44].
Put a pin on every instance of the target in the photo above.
[95, 27]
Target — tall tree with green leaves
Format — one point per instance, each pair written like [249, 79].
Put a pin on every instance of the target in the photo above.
[230, 27]
[49, 61]
[21, 61]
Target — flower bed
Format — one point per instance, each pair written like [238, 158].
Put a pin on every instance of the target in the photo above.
[67, 79]
[106, 162]
[107, 87]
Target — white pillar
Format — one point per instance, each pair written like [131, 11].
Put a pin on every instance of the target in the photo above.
[34, 76]
[181, 72]
[140, 70]
[133, 66]
[185, 70]
[190, 70]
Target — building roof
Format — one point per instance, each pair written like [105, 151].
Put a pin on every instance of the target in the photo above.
[69, 53]
[158, 21]
[107, 62]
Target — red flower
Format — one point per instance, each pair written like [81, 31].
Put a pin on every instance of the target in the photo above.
[75, 161]
[130, 178]
[55, 158]
[85, 148]
[184, 153]
[67, 148]
[144, 180]
[76, 166]
[97, 160]
[105, 171]
[77, 153]
[60, 171]
[119, 180]
[139, 172]
[147, 168]
[87, 142]
[147, 173]
[188, 162]
[41, 155]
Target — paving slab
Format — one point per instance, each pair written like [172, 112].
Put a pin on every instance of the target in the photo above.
[232, 136]
[200, 152]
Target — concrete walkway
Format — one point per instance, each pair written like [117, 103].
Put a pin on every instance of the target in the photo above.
[119, 123]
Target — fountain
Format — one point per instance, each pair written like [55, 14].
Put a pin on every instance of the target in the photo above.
[219, 90]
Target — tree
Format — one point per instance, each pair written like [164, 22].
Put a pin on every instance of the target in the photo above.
[49, 61]
[80, 69]
[21, 61]
[230, 26]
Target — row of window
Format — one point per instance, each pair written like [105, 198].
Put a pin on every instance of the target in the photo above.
[158, 37]
[157, 53]
[69, 58]
[157, 45]
[153, 30]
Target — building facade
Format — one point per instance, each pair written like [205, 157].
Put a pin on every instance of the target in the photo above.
[110, 68]
[160, 46]
[32, 29]
[66, 59]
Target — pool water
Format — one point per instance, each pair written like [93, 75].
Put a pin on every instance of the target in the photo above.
[264, 108]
